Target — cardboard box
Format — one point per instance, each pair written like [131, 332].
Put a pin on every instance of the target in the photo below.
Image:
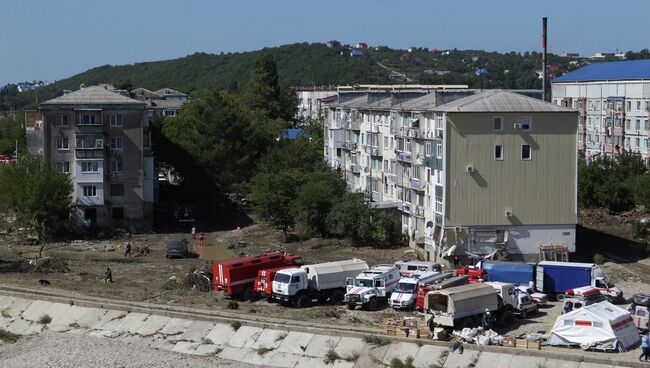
[528, 344]
[509, 342]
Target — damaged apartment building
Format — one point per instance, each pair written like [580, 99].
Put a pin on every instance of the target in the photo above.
[102, 140]
[489, 173]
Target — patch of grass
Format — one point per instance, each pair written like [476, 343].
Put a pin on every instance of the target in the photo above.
[352, 358]
[599, 259]
[206, 341]
[281, 336]
[263, 350]
[540, 365]
[5, 314]
[419, 343]
[74, 325]
[398, 363]
[235, 325]
[331, 357]
[7, 336]
[45, 319]
[376, 340]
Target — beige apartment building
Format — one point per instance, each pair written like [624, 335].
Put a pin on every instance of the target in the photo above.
[470, 172]
[101, 139]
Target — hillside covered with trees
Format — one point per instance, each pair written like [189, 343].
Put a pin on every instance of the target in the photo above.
[304, 64]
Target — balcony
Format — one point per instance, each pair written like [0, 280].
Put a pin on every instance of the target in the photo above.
[392, 178]
[354, 125]
[90, 201]
[411, 132]
[418, 211]
[373, 151]
[416, 185]
[354, 168]
[403, 156]
[350, 146]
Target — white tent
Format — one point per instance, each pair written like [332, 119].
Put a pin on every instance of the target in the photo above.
[599, 326]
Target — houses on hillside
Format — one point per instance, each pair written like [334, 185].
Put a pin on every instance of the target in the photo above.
[613, 103]
[470, 173]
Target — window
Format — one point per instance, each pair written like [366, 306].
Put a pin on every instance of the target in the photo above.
[61, 121]
[637, 142]
[498, 152]
[428, 151]
[439, 150]
[89, 166]
[88, 119]
[646, 143]
[169, 112]
[645, 124]
[117, 190]
[638, 106]
[526, 153]
[62, 143]
[90, 191]
[118, 213]
[385, 143]
[526, 123]
[579, 137]
[116, 166]
[117, 143]
[63, 166]
[628, 105]
[627, 124]
[116, 120]
[646, 106]
[627, 142]
[416, 172]
[497, 123]
[637, 125]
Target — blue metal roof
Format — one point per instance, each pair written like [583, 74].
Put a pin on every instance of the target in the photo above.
[613, 70]
[293, 133]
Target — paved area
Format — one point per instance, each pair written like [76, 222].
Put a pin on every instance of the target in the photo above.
[247, 345]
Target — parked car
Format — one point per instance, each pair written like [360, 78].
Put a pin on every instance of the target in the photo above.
[177, 247]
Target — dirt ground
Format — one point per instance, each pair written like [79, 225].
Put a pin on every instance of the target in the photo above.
[145, 278]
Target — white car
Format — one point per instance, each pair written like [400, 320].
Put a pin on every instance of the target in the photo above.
[539, 298]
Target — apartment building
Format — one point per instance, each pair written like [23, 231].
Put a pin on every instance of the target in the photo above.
[101, 139]
[311, 101]
[163, 102]
[470, 172]
[612, 99]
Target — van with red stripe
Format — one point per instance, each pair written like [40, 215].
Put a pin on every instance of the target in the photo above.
[371, 288]
[236, 277]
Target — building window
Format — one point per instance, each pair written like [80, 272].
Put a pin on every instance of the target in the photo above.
[117, 143]
[416, 172]
[526, 153]
[637, 142]
[169, 113]
[62, 143]
[117, 190]
[498, 152]
[627, 124]
[439, 150]
[579, 137]
[627, 142]
[526, 123]
[428, 151]
[116, 167]
[646, 143]
[497, 124]
[638, 106]
[637, 124]
[645, 124]
[63, 166]
[116, 120]
[90, 191]
[628, 105]
[89, 166]
[385, 143]
[61, 121]
[88, 119]
[118, 213]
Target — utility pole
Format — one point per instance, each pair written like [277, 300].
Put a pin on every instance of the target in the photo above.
[544, 37]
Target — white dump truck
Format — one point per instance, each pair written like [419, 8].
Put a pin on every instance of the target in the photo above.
[322, 281]
[371, 288]
[406, 292]
[464, 306]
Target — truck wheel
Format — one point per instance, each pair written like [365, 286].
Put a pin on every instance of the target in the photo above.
[247, 294]
[302, 301]
[337, 297]
[352, 306]
[372, 304]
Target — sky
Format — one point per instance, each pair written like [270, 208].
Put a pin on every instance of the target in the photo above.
[51, 40]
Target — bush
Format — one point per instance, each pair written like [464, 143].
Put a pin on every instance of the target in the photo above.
[235, 325]
[7, 336]
[45, 319]
[398, 363]
[376, 340]
[599, 259]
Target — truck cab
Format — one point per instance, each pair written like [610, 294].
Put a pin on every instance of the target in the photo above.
[519, 303]
[371, 287]
[264, 281]
[288, 283]
[405, 293]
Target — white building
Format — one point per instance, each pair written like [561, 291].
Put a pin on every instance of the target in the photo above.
[612, 100]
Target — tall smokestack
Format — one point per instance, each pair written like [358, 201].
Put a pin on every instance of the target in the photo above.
[544, 21]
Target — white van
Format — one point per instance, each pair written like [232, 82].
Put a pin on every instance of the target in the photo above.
[408, 268]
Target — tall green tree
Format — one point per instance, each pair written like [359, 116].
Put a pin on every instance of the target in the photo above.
[36, 193]
[12, 131]
[265, 93]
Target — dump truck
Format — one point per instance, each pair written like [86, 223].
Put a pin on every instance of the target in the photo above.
[323, 281]
[371, 288]
[559, 277]
[236, 277]
[464, 306]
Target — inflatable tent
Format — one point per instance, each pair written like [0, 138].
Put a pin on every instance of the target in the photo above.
[597, 326]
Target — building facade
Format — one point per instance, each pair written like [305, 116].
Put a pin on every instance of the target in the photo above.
[613, 102]
[412, 150]
[101, 139]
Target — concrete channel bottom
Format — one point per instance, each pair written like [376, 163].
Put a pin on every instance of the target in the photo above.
[253, 345]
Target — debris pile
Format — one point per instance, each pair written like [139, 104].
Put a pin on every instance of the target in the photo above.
[49, 265]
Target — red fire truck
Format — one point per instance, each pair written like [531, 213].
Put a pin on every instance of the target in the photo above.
[264, 282]
[476, 275]
[236, 277]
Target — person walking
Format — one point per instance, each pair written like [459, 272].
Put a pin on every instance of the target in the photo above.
[487, 320]
[645, 350]
[193, 232]
[201, 237]
[127, 249]
[108, 275]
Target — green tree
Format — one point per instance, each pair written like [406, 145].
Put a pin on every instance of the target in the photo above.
[36, 193]
[314, 200]
[11, 131]
[123, 83]
[273, 194]
[265, 94]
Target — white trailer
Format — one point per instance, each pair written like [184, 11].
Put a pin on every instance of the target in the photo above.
[322, 281]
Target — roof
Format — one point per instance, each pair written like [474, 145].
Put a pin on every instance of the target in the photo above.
[145, 93]
[613, 70]
[169, 92]
[167, 104]
[497, 100]
[93, 95]
[566, 264]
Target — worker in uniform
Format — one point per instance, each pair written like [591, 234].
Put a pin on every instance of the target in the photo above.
[487, 320]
